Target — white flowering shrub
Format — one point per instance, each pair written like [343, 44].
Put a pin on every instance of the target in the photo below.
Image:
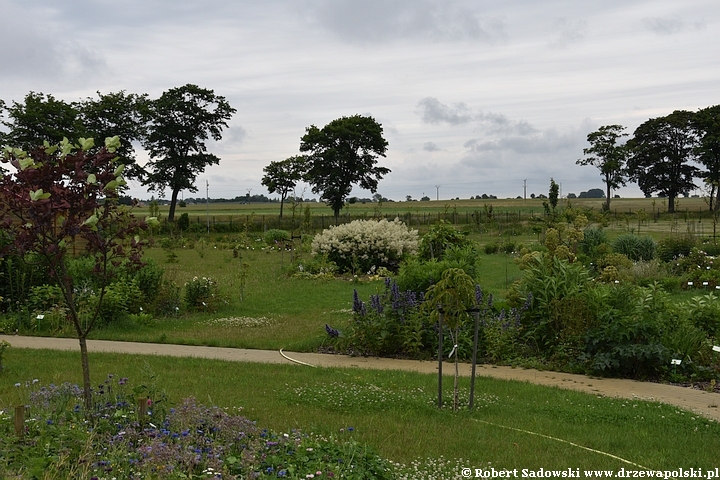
[366, 245]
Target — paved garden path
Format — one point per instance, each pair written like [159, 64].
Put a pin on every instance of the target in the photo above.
[707, 404]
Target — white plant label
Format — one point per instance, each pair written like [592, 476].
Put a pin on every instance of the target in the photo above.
[675, 361]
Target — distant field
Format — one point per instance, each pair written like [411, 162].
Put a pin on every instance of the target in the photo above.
[618, 205]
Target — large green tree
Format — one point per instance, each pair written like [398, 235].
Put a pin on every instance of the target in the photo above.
[662, 149]
[180, 123]
[282, 176]
[40, 118]
[707, 126]
[607, 156]
[343, 153]
[122, 114]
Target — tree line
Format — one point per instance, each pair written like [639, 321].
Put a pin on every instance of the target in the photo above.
[665, 155]
[173, 128]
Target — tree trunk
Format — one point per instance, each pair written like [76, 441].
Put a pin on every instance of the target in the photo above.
[173, 202]
[671, 204]
[607, 200]
[87, 394]
[716, 207]
[282, 200]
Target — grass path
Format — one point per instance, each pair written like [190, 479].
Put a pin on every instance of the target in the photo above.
[697, 401]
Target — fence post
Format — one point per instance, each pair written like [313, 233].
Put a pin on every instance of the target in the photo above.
[20, 420]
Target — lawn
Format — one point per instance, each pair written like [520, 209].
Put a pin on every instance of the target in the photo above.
[395, 412]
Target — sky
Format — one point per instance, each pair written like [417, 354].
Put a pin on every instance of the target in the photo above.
[475, 97]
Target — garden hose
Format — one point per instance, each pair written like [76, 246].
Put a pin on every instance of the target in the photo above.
[296, 361]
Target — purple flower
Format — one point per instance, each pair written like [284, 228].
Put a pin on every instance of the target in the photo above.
[334, 333]
[357, 304]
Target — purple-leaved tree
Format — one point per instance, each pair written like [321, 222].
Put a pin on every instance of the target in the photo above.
[60, 200]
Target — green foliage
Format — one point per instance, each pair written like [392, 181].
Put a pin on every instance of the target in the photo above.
[282, 176]
[181, 121]
[183, 223]
[167, 300]
[439, 238]
[3, 346]
[593, 239]
[274, 236]
[491, 248]
[607, 156]
[202, 294]
[344, 152]
[662, 149]
[672, 247]
[44, 297]
[634, 247]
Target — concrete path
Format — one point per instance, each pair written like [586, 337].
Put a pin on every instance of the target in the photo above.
[700, 402]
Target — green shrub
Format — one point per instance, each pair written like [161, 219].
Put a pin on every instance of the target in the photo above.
[167, 300]
[418, 275]
[275, 236]
[671, 248]
[183, 222]
[491, 248]
[202, 294]
[439, 238]
[634, 247]
[149, 279]
[360, 245]
[43, 297]
[592, 239]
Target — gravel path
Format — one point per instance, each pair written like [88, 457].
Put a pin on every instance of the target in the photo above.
[697, 401]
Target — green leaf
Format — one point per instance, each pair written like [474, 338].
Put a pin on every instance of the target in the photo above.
[26, 163]
[86, 143]
[112, 185]
[91, 179]
[152, 221]
[38, 195]
[92, 221]
[119, 170]
[66, 146]
[112, 143]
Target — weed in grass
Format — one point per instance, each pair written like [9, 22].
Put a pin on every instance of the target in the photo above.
[243, 322]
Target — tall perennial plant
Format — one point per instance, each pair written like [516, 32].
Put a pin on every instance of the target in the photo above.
[365, 245]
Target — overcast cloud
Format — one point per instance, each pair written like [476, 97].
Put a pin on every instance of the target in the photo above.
[474, 97]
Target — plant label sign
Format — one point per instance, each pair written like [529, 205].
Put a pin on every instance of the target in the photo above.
[716, 348]
[675, 361]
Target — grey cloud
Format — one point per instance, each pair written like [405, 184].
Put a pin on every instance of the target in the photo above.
[32, 53]
[430, 147]
[435, 112]
[374, 21]
[670, 25]
[568, 32]
[547, 141]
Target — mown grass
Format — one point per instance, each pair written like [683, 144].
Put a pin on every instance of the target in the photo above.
[395, 411]
[272, 310]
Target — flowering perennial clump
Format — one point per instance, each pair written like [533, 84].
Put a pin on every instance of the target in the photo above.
[63, 440]
[363, 246]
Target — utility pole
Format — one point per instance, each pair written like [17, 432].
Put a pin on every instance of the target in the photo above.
[207, 205]
[525, 189]
[437, 192]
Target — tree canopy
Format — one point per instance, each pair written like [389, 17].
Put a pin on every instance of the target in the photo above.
[662, 149]
[609, 157]
[282, 176]
[43, 118]
[58, 194]
[180, 123]
[343, 153]
[707, 126]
